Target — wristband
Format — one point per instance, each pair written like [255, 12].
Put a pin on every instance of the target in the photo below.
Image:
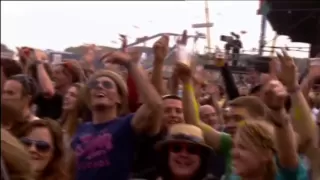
[188, 87]
[294, 90]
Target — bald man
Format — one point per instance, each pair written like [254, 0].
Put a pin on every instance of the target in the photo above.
[209, 116]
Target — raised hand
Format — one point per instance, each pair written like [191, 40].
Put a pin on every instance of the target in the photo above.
[161, 48]
[275, 95]
[183, 68]
[40, 55]
[124, 58]
[183, 71]
[274, 68]
[124, 43]
[288, 71]
[24, 54]
[183, 40]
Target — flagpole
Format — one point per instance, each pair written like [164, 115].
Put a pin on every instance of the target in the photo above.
[274, 42]
[208, 22]
[263, 25]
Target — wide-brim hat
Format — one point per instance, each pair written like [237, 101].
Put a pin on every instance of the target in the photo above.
[184, 133]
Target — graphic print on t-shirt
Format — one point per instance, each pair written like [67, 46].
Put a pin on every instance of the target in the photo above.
[93, 150]
[106, 150]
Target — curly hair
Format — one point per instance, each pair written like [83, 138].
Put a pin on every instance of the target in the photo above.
[259, 135]
[56, 169]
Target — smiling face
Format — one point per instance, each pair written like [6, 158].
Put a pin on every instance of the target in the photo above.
[184, 159]
[103, 92]
[252, 153]
[209, 116]
[39, 143]
[70, 99]
[245, 158]
[173, 113]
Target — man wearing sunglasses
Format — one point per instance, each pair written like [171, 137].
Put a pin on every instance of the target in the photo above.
[105, 146]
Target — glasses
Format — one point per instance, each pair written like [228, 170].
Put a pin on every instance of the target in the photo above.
[189, 148]
[41, 146]
[95, 84]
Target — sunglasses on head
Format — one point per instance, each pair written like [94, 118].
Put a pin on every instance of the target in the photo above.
[179, 147]
[95, 84]
[40, 146]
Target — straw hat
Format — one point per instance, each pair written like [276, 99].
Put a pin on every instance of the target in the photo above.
[184, 133]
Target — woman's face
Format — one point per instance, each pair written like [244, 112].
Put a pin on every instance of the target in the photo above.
[39, 143]
[103, 92]
[70, 99]
[59, 77]
[246, 159]
[184, 159]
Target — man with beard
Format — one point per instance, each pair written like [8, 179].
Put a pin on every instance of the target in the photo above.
[105, 146]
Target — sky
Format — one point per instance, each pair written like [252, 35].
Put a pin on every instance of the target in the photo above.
[57, 25]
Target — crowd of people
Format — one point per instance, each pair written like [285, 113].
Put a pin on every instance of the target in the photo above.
[70, 121]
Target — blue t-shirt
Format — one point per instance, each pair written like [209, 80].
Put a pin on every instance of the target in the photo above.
[105, 151]
[299, 173]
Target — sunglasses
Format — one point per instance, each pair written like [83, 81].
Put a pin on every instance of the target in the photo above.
[95, 84]
[41, 146]
[189, 148]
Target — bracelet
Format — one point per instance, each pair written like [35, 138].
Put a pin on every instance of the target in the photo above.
[188, 87]
[294, 90]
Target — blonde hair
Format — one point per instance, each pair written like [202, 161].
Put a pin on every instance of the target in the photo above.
[71, 120]
[259, 135]
[121, 86]
[16, 158]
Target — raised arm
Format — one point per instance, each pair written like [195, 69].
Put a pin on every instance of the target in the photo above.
[143, 121]
[191, 111]
[302, 118]
[285, 137]
[160, 49]
[152, 103]
[42, 75]
[301, 114]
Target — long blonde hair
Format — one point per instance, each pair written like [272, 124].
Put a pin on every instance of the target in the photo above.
[16, 158]
[259, 135]
[70, 120]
